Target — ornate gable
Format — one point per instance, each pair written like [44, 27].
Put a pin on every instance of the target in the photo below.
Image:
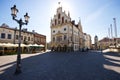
[60, 17]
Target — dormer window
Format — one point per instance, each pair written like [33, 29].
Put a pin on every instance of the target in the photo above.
[59, 16]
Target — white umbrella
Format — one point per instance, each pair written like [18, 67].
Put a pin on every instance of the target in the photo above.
[35, 45]
[9, 45]
[29, 45]
[15, 45]
[41, 45]
[6, 45]
[3, 44]
[23, 45]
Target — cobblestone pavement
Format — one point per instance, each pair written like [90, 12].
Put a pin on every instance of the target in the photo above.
[63, 66]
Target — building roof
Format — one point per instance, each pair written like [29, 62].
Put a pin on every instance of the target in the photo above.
[39, 35]
[106, 39]
[5, 26]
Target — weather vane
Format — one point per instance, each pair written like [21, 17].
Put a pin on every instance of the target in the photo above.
[59, 4]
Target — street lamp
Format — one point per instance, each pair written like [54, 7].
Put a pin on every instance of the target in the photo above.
[73, 22]
[15, 34]
[14, 11]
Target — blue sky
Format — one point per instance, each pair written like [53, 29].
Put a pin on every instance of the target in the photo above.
[96, 15]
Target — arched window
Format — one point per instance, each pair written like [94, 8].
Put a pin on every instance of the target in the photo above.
[65, 21]
[59, 16]
[58, 22]
[55, 21]
[62, 19]
[65, 37]
[53, 39]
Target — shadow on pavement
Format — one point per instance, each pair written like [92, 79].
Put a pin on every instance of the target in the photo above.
[113, 54]
[7, 64]
[66, 66]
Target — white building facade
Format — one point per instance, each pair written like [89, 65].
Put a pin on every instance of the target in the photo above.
[65, 34]
[87, 41]
[11, 35]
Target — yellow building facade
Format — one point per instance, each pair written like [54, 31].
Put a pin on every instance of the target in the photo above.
[11, 35]
[87, 41]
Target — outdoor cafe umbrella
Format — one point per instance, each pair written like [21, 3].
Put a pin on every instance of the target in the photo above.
[41, 45]
[8, 45]
[3, 45]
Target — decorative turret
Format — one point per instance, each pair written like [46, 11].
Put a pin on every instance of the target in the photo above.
[59, 9]
[96, 41]
[68, 14]
[79, 21]
[60, 17]
[79, 25]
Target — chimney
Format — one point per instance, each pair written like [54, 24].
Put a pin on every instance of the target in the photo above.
[33, 31]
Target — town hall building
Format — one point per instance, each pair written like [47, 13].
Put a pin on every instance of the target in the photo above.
[65, 34]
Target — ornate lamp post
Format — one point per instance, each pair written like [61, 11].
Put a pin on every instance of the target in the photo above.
[14, 35]
[73, 22]
[14, 11]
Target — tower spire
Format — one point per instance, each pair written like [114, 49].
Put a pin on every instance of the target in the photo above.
[68, 13]
[79, 20]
